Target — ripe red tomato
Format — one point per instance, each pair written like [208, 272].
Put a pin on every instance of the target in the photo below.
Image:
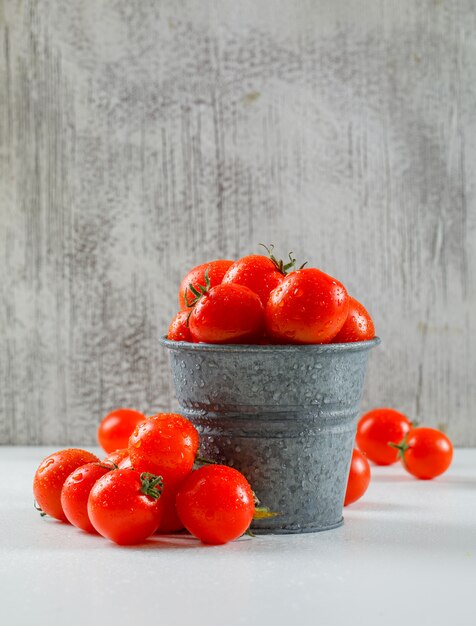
[227, 314]
[75, 493]
[117, 456]
[376, 429]
[216, 504]
[358, 326]
[165, 444]
[257, 272]
[307, 307]
[425, 452]
[50, 476]
[196, 277]
[359, 477]
[178, 329]
[124, 506]
[116, 428]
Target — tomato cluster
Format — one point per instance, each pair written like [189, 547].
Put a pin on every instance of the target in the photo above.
[147, 485]
[259, 299]
[385, 436]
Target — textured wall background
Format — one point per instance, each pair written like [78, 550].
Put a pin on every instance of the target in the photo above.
[140, 137]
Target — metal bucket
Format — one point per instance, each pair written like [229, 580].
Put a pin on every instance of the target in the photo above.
[284, 415]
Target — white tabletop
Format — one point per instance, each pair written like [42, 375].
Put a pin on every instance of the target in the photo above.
[406, 555]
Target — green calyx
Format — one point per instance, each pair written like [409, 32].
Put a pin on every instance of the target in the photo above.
[198, 293]
[281, 266]
[152, 485]
[402, 447]
[39, 509]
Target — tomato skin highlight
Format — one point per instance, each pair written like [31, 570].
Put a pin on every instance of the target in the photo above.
[427, 453]
[307, 307]
[51, 474]
[257, 272]
[115, 429]
[227, 314]
[215, 504]
[165, 444]
[376, 429]
[196, 276]
[75, 494]
[358, 326]
[359, 478]
[178, 329]
[119, 510]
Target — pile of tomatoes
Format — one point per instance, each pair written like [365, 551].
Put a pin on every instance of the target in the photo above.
[385, 436]
[146, 484]
[261, 300]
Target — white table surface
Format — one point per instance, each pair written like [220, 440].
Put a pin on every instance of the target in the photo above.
[405, 555]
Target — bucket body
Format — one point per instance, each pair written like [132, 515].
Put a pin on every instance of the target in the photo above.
[285, 416]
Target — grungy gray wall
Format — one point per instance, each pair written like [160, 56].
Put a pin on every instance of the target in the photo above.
[141, 137]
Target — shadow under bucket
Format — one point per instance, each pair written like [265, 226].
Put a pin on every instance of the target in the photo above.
[285, 416]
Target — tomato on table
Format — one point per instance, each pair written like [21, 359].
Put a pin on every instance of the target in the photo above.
[50, 476]
[124, 506]
[165, 444]
[215, 504]
[359, 478]
[307, 307]
[116, 428]
[75, 493]
[196, 277]
[425, 452]
[379, 428]
[358, 326]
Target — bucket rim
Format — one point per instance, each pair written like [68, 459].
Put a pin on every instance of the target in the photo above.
[321, 348]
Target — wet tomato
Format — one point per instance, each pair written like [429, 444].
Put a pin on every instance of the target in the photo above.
[216, 504]
[196, 277]
[307, 307]
[124, 506]
[178, 329]
[377, 429]
[359, 478]
[358, 326]
[165, 444]
[257, 272]
[50, 476]
[75, 493]
[227, 314]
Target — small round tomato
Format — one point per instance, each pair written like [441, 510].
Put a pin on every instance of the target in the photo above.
[358, 326]
[116, 428]
[50, 476]
[178, 329]
[227, 314]
[377, 429]
[257, 272]
[307, 307]
[75, 493]
[359, 477]
[196, 277]
[165, 444]
[124, 506]
[117, 456]
[425, 452]
[216, 504]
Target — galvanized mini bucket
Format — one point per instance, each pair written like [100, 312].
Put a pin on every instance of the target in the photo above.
[284, 415]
